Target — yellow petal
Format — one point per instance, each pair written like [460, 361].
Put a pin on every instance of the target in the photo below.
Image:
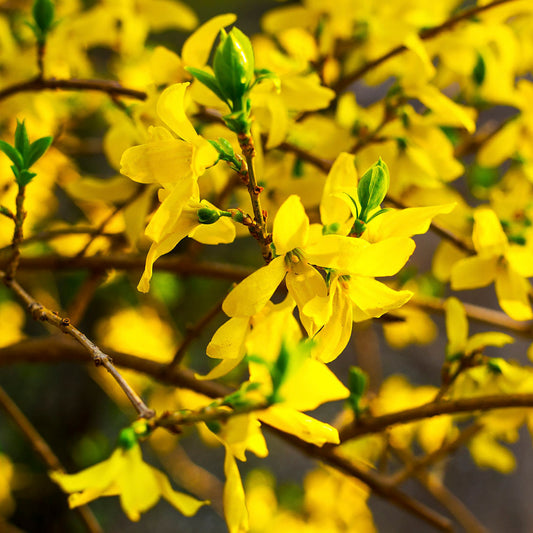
[304, 284]
[374, 297]
[488, 235]
[253, 292]
[171, 110]
[491, 338]
[197, 47]
[312, 385]
[405, 222]
[163, 14]
[456, 326]
[489, 453]
[204, 156]
[295, 423]
[185, 504]
[161, 162]
[98, 476]
[501, 146]
[334, 336]
[235, 509]
[222, 231]
[473, 272]
[384, 258]
[520, 260]
[291, 226]
[512, 291]
[139, 490]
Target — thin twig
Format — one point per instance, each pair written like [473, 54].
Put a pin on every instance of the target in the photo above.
[258, 230]
[105, 86]
[428, 410]
[100, 229]
[193, 332]
[418, 464]
[41, 313]
[18, 235]
[44, 452]
[425, 34]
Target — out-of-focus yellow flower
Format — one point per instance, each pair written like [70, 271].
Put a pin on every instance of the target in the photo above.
[497, 260]
[7, 504]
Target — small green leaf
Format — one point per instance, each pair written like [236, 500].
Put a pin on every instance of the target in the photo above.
[265, 74]
[372, 188]
[22, 143]
[479, 71]
[127, 438]
[37, 150]
[24, 177]
[13, 154]
[208, 80]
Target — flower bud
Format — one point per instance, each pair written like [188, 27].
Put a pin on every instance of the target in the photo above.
[207, 216]
[372, 188]
[233, 65]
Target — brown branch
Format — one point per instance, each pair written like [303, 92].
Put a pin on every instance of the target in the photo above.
[417, 464]
[178, 264]
[44, 452]
[18, 235]
[447, 407]
[39, 84]
[448, 500]
[425, 34]
[41, 313]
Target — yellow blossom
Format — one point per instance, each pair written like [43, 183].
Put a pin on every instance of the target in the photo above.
[139, 485]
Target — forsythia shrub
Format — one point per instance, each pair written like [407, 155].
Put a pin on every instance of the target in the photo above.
[120, 154]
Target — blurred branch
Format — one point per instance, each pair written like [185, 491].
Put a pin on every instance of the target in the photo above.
[424, 34]
[178, 264]
[112, 88]
[44, 452]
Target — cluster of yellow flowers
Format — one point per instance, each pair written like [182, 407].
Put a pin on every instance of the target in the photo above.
[264, 137]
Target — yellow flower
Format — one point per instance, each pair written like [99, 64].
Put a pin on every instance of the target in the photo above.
[497, 260]
[295, 250]
[125, 474]
[164, 159]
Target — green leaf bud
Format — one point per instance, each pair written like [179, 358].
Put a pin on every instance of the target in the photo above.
[479, 70]
[372, 188]
[22, 143]
[37, 150]
[127, 438]
[43, 15]
[208, 80]
[233, 65]
[13, 154]
[207, 215]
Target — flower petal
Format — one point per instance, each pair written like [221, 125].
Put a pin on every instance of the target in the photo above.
[375, 298]
[473, 272]
[512, 291]
[253, 292]
[456, 326]
[171, 110]
[488, 235]
[185, 504]
[291, 226]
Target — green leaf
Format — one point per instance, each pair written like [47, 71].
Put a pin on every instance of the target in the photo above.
[22, 143]
[372, 188]
[208, 80]
[13, 154]
[43, 14]
[357, 382]
[37, 150]
[24, 177]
